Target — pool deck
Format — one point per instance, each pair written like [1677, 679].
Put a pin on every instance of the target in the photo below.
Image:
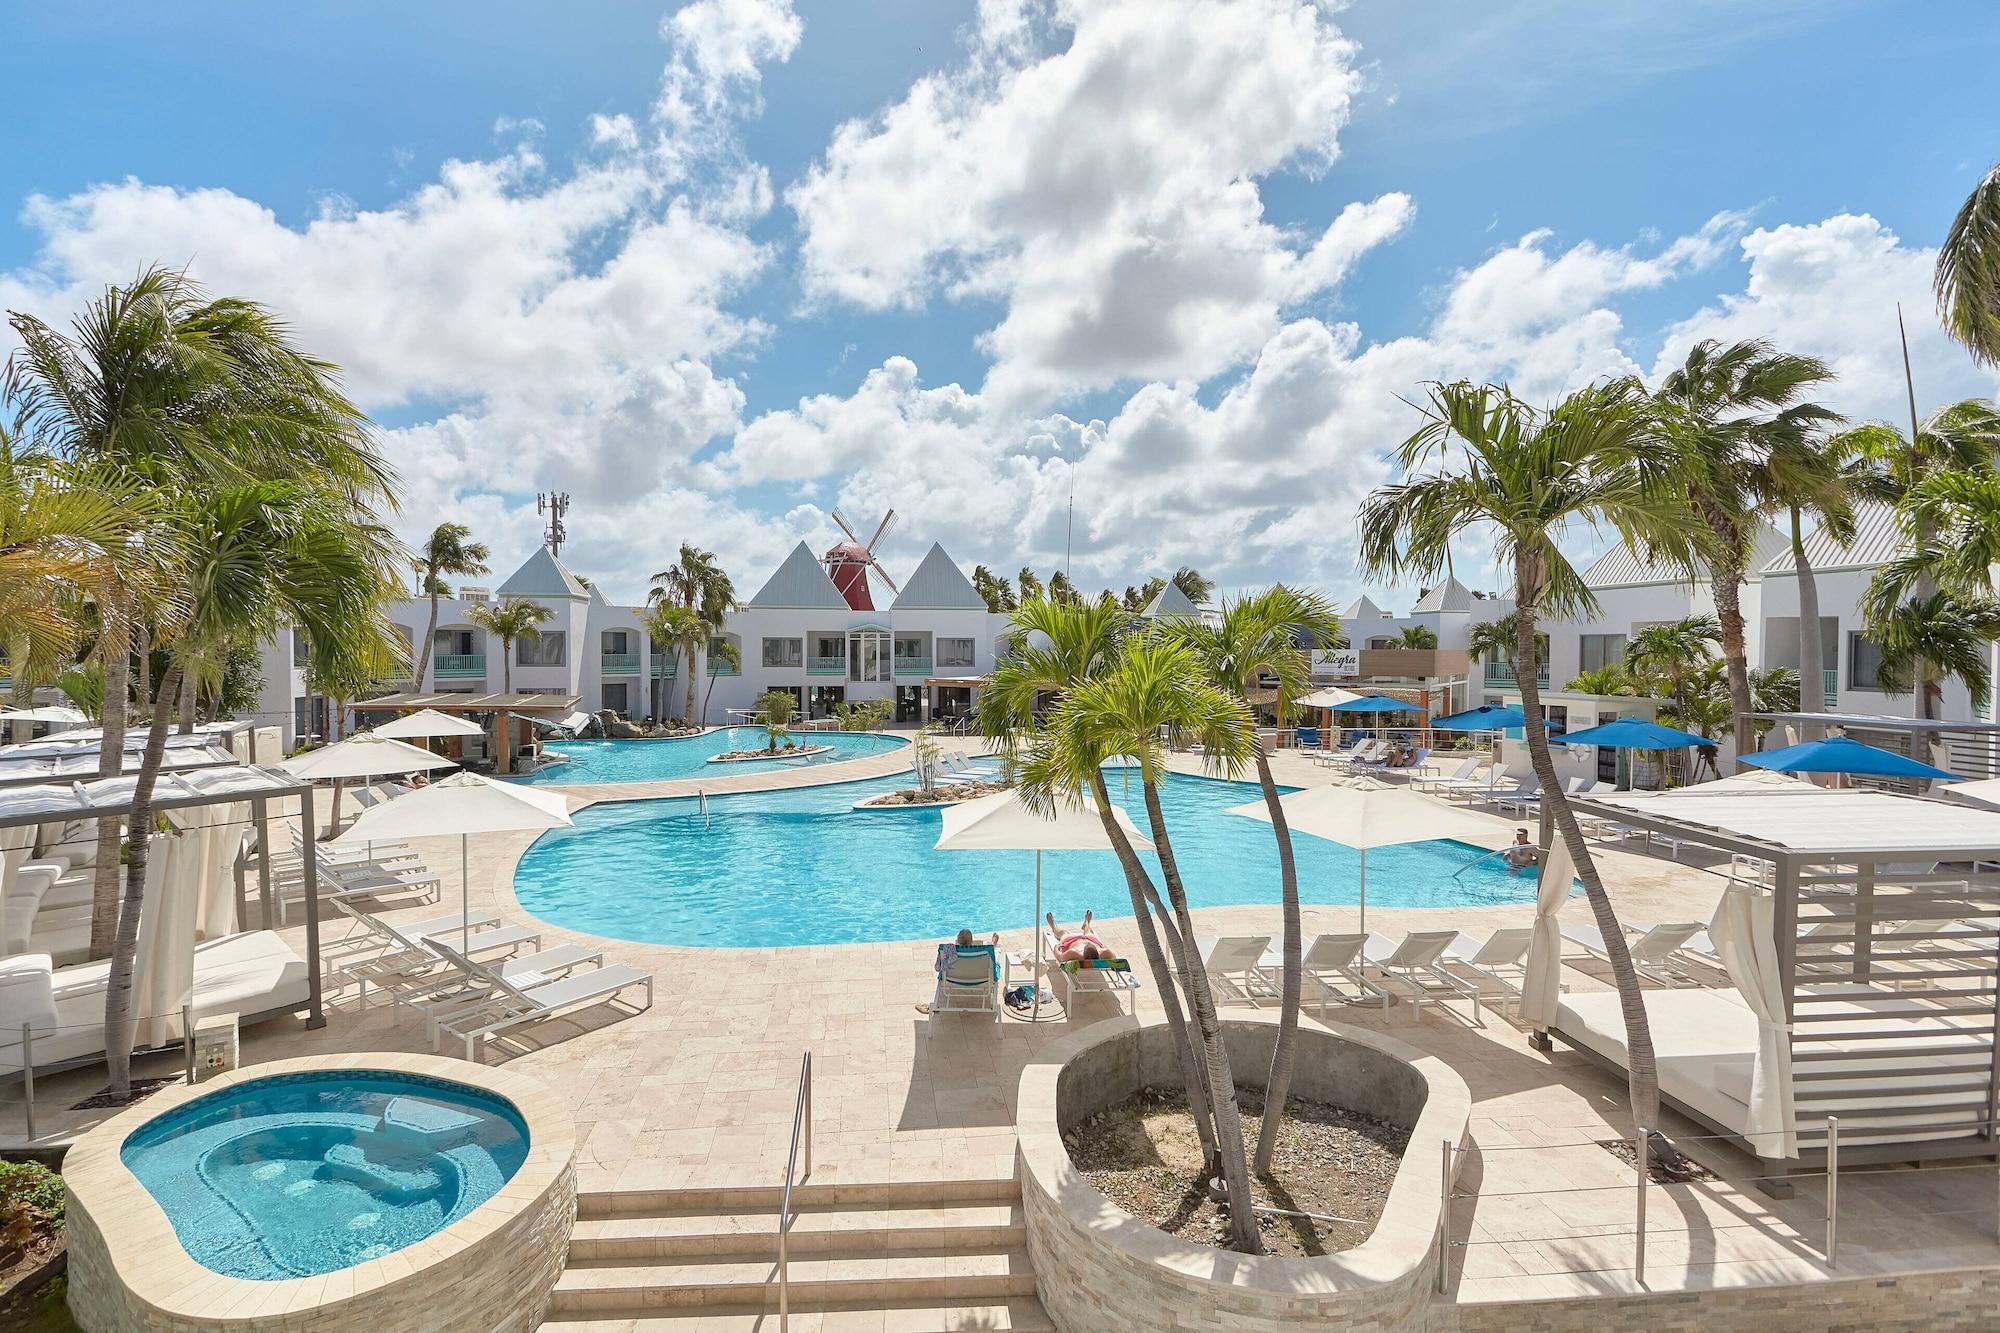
[700, 1089]
[723, 781]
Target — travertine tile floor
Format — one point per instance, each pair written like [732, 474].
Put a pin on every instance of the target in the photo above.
[701, 1089]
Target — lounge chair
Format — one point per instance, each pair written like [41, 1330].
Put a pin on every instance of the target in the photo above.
[1387, 764]
[382, 952]
[1459, 778]
[1500, 961]
[1234, 964]
[443, 995]
[1306, 738]
[1365, 752]
[968, 980]
[1115, 981]
[1326, 962]
[1523, 800]
[510, 1003]
[1655, 950]
[1417, 963]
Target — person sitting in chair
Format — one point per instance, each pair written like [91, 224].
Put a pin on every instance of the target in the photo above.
[1523, 853]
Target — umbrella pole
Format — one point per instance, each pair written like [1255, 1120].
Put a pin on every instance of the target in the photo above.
[1035, 1016]
[464, 895]
[1364, 890]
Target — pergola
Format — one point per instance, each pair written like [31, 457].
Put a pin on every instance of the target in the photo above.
[503, 707]
[111, 798]
[1885, 965]
[82, 762]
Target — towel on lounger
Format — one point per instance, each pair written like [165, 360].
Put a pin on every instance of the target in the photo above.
[1100, 964]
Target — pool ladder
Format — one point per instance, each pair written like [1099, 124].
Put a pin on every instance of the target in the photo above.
[1460, 873]
[702, 796]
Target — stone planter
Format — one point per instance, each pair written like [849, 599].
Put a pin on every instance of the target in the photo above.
[1098, 1266]
[493, 1269]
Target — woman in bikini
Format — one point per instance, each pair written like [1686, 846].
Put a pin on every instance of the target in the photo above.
[1079, 945]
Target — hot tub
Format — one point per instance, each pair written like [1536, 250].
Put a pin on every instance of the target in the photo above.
[377, 1192]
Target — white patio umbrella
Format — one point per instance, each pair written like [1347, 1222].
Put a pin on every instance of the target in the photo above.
[465, 804]
[364, 756]
[426, 722]
[1001, 822]
[72, 717]
[1365, 817]
[1331, 696]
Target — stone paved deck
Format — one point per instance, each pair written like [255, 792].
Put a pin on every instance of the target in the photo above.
[700, 1090]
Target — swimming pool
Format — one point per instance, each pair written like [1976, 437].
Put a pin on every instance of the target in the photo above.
[688, 756]
[800, 866]
[298, 1174]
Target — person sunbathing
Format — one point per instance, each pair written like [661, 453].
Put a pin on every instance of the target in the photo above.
[1079, 945]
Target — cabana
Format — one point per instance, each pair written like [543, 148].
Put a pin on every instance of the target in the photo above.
[1864, 977]
[251, 973]
[503, 707]
[80, 763]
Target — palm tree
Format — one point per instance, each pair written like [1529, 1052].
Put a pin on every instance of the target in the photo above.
[183, 392]
[679, 629]
[1483, 462]
[1943, 482]
[1968, 272]
[507, 621]
[1812, 473]
[1257, 639]
[1030, 586]
[1926, 641]
[1721, 409]
[994, 588]
[1418, 636]
[1151, 686]
[776, 709]
[1670, 657]
[1192, 585]
[698, 583]
[720, 652]
[1605, 681]
[446, 554]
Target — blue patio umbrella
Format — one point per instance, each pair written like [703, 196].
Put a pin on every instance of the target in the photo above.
[1635, 733]
[1843, 754]
[1376, 703]
[1486, 717]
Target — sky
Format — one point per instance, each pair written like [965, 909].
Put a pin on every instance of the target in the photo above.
[1123, 284]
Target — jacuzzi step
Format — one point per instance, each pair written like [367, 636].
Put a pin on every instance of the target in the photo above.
[815, 1231]
[1017, 1314]
[960, 1277]
[829, 1194]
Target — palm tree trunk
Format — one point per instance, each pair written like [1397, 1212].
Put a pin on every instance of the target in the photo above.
[430, 634]
[1243, 1233]
[1278, 1084]
[506, 666]
[1642, 1075]
[118, 1016]
[186, 727]
[687, 717]
[1728, 585]
[1812, 654]
[1140, 885]
[116, 652]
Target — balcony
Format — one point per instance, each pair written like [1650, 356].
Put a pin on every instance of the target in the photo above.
[722, 666]
[619, 664]
[666, 665]
[1832, 678]
[913, 666]
[459, 666]
[826, 666]
[1502, 673]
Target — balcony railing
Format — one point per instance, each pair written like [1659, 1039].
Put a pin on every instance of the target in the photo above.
[826, 666]
[1502, 673]
[459, 666]
[913, 666]
[666, 665]
[1832, 678]
[722, 666]
[620, 664]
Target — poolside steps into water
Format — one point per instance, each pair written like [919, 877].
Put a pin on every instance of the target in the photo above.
[908, 1255]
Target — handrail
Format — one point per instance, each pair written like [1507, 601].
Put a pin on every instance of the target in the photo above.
[704, 807]
[1460, 872]
[801, 1124]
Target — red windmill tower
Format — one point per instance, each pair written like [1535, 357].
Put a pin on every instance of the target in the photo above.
[848, 563]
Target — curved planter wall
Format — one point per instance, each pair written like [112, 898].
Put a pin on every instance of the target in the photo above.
[1099, 1267]
[493, 1269]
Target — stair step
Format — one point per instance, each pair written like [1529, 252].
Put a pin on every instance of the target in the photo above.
[1020, 1314]
[809, 1194]
[817, 1231]
[968, 1277]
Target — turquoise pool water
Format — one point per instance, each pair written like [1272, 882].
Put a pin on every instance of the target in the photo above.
[800, 866]
[299, 1174]
[647, 761]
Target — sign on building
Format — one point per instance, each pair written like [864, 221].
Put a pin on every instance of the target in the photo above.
[1336, 662]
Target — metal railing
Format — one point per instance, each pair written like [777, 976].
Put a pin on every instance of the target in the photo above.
[722, 666]
[913, 666]
[826, 666]
[458, 666]
[1832, 678]
[1502, 673]
[666, 665]
[801, 1128]
[619, 664]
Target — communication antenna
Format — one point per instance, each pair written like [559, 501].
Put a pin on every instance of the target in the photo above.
[555, 504]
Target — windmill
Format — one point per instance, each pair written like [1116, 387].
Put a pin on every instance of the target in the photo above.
[848, 563]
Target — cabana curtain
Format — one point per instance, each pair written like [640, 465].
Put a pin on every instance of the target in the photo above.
[1742, 932]
[1541, 989]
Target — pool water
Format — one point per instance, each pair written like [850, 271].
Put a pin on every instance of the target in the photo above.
[298, 1174]
[688, 756]
[800, 866]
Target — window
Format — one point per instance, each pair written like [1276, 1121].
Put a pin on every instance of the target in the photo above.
[1600, 650]
[830, 645]
[1864, 662]
[546, 649]
[871, 658]
[617, 641]
[909, 647]
[954, 652]
[784, 652]
[617, 699]
[301, 650]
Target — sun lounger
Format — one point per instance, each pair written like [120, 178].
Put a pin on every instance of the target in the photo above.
[443, 995]
[968, 980]
[510, 1003]
[1499, 962]
[1365, 752]
[1234, 967]
[1523, 800]
[381, 950]
[1115, 981]
[1655, 950]
[1417, 964]
[1326, 962]
[1459, 779]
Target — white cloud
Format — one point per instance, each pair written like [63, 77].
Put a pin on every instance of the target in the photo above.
[1103, 188]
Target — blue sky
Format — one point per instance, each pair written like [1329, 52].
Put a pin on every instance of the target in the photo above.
[963, 314]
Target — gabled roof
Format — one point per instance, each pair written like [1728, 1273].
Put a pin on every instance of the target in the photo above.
[1364, 608]
[1875, 542]
[938, 585]
[1171, 601]
[542, 575]
[1451, 595]
[801, 582]
[1623, 567]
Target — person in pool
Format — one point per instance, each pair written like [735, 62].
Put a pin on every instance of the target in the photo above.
[1523, 853]
[1079, 945]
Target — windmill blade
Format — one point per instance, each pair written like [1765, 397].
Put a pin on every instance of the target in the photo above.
[845, 528]
[888, 521]
[882, 574]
